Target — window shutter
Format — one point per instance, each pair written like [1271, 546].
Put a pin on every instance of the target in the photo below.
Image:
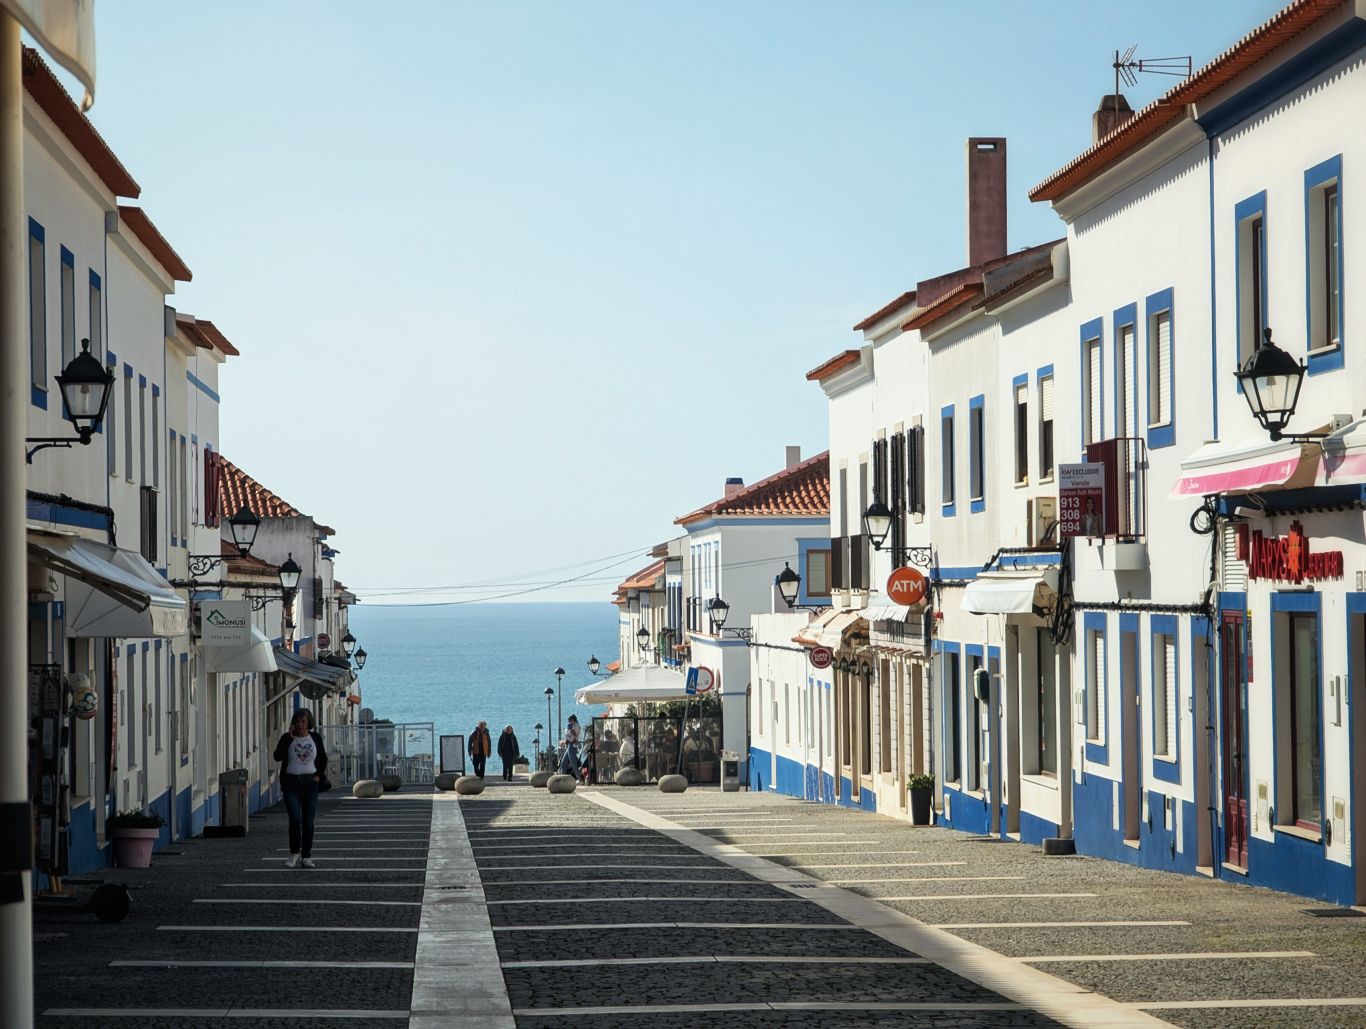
[897, 483]
[1021, 395]
[1093, 397]
[317, 597]
[1234, 576]
[1161, 369]
[838, 548]
[1124, 399]
[915, 469]
[1046, 399]
[1169, 656]
[1096, 715]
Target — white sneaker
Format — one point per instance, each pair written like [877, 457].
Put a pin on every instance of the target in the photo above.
[293, 861]
[308, 863]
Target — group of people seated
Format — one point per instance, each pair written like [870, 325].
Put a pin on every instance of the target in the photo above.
[655, 751]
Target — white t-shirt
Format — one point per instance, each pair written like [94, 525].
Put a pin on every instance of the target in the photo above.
[303, 754]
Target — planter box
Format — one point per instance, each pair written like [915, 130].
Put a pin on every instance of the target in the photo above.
[920, 805]
[133, 847]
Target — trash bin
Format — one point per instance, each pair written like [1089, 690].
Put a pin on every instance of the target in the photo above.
[730, 771]
[232, 798]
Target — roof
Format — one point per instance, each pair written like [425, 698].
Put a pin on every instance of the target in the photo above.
[79, 130]
[136, 219]
[905, 300]
[1281, 29]
[945, 305]
[643, 579]
[214, 336]
[803, 489]
[837, 363]
[240, 488]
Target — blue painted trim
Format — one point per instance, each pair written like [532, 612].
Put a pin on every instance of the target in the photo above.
[1019, 380]
[1092, 331]
[805, 546]
[1044, 372]
[948, 732]
[1096, 621]
[58, 514]
[1168, 769]
[1306, 603]
[127, 370]
[197, 384]
[1213, 303]
[976, 505]
[37, 390]
[748, 520]
[948, 507]
[156, 390]
[1163, 435]
[1125, 316]
[142, 381]
[1320, 175]
[1245, 210]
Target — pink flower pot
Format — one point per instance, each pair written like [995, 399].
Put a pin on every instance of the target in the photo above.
[133, 847]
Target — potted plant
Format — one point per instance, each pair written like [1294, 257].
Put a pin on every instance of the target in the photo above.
[921, 787]
[133, 833]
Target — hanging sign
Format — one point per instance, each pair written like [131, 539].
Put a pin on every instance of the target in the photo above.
[225, 623]
[906, 586]
[1289, 558]
[1081, 499]
[821, 657]
[324, 641]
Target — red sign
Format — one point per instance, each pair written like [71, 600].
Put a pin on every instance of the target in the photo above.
[821, 657]
[1081, 500]
[324, 641]
[1289, 558]
[705, 679]
[906, 586]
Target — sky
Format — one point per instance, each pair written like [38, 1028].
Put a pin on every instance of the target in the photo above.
[516, 284]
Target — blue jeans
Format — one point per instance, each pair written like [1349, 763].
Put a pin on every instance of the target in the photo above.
[301, 803]
[570, 764]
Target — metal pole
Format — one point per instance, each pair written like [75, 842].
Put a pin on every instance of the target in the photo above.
[16, 852]
[559, 707]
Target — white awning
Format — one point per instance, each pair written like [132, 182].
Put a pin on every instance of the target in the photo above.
[644, 684]
[110, 593]
[255, 656]
[832, 633]
[1344, 456]
[810, 633]
[1241, 466]
[1011, 593]
[299, 668]
[886, 613]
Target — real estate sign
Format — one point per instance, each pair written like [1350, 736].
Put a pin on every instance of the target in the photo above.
[1081, 500]
[225, 623]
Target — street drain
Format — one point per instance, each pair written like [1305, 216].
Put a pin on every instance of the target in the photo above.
[1334, 913]
[464, 886]
[802, 886]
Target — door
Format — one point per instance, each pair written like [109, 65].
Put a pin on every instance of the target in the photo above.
[1131, 735]
[1233, 734]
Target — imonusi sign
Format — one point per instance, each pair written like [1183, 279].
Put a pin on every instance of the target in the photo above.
[1286, 557]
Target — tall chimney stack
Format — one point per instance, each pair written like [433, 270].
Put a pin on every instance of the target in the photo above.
[733, 486]
[1113, 112]
[794, 457]
[986, 199]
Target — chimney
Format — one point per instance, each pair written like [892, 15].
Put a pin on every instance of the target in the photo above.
[794, 457]
[986, 199]
[1113, 112]
[733, 486]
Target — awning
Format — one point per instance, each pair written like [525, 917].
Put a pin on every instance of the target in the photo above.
[255, 656]
[832, 633]
[1011, 593]
[1343, 462]
[298, 669]
[886, 613]
[644, 684]
[110, 593]
[810, 633]
[1241, 466]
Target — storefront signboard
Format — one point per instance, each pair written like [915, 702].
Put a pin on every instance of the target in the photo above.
[1287, 558]
[225, 623]
[1081, 499]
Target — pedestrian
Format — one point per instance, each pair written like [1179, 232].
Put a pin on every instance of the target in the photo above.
[303, 762]
[509, 750]
[569, 764]
[480, 747]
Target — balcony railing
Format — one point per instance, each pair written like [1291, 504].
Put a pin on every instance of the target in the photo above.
[1125, 459]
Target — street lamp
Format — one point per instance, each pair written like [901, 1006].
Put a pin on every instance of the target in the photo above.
[593, 665]
[348, 643]
[788, 583]
[877, 522]
[359, 658]
[1271, 381]
[643, 638]
[559, 702]
[537, 744]
[289, 575]
[549, 692]
[718, 611]
[85, 386]
[243, 526]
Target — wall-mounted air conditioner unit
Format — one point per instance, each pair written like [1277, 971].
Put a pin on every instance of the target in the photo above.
[1042, 521]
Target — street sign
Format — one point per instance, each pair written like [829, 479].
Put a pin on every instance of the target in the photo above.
[690, 685]
[705, 679]
[821, 657]
[906, 586]
[324, 641]
[1081, 499]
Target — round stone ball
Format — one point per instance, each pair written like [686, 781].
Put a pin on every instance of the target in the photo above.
[390, 782]
[469, 785]
[446, 781]
[629, 776]
[539, 779]
[561, 784]
[672, 783]
[367, 789]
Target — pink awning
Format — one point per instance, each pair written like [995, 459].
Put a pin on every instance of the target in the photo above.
[1344, 457]
[1244, 466]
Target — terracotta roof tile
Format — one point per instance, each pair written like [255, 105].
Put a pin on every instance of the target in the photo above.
[1282, 28]
[214, 336]
[240, 488]
[614, 667]
[837, 363]
[803, 489]
[945, 305]
[136, 219]
[67, 115]
[643, 579]
[905, 300]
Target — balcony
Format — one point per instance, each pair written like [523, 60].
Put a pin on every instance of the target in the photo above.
[1123, 533]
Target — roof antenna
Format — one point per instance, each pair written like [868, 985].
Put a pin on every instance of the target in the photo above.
[1128, 69]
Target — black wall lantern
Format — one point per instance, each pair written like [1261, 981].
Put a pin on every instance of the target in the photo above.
[789, 584]
[85, 385]
[1271, 381]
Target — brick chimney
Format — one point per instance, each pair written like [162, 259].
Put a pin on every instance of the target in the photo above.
[794, 457]
[1113, 112]
[986, 199]
[733, 486]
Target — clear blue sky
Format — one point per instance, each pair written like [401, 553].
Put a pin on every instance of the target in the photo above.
[516, 284]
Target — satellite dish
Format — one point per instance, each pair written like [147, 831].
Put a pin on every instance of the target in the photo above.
[312, 690]
[366, 716]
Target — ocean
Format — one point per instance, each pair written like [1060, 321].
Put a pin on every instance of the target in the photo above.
[454, 665]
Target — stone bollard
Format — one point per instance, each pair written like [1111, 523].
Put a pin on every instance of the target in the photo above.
[561, 784]
[672, 783]
[446, 781]
[390, 782]
[367, 789]
[539, 779]
[469, 785]
[629, 776]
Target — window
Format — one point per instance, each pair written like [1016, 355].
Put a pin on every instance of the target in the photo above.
[1159, 315]
[68, 288]
[194, 496]
[1323, 261]
[816, 573]
[946, 459]
[1164, 696]
[1126, 372]
[977, 453]
[1095, 685]
[142, 430]
[884, 735]
[184, 492]
[132, 734]
[896, 487]
[172, 497]
[37, 312]
[915, 469]
[1092, 391]
[1046, 425]
[111, 443]
[1305, 762]
[156, 436]
[980, 716]
[953, 704]
[96, 303]
[1021, 391]
[863, 559]
[157, 719]
[1047, 708]
[183, 720]
[1250, 215]
[127, 423]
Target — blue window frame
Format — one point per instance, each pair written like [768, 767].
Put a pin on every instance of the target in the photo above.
[96, 304]
[977, 454]
[1161, 344]
[1097, 686]
[1250, 281]
[1164, 660]
[1044, 378]
[947, 500]
[1297, 709]
[1092, 393]
[813, 565]
[37, 313]
[67, 285]
[1126, 370]
[950, 666]
[1323, 281]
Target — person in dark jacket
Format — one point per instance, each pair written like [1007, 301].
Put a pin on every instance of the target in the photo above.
[509, 750]
[480, 747]
[303, 760]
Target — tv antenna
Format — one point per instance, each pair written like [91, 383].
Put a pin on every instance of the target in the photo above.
[1128, 69]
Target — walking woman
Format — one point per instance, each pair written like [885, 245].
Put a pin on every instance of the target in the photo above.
[509, 750]
[303, 760]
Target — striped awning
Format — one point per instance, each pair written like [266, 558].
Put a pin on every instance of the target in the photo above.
[1247, 465]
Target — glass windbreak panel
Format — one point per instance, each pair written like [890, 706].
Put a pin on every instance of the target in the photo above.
[1304, 657]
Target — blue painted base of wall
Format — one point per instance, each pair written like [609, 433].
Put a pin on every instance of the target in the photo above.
[968, 813]
[1093, 807]
[1299, 866]
[1035, 830]
[865, 801]
[794, 778]
[84, 852]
